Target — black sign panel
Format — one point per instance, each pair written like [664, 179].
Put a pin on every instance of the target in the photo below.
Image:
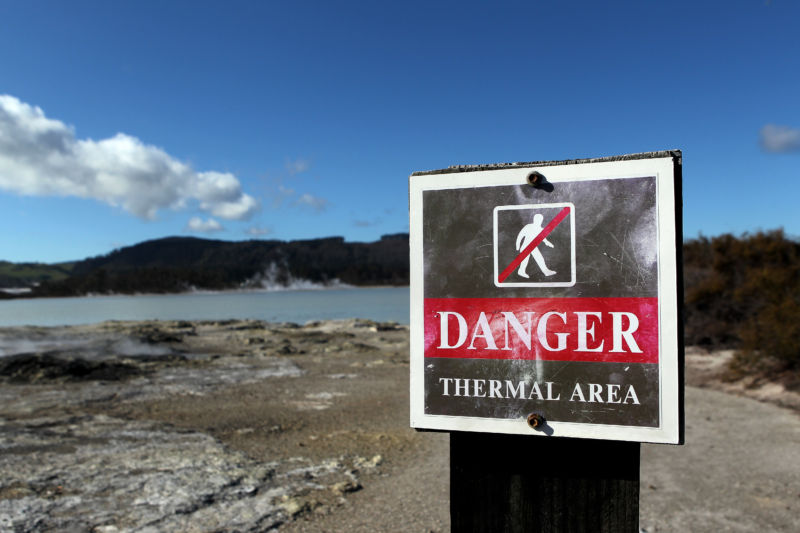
[559, 300]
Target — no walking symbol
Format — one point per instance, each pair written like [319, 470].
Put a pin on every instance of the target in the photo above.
[534, 245]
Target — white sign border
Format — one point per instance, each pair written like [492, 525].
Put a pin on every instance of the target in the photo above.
[670, 389]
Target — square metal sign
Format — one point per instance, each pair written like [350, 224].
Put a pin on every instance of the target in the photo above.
[553, 308]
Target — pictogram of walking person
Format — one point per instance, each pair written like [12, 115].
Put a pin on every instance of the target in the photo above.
[524, 238]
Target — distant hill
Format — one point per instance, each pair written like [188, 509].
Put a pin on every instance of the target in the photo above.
[16, 275]
[176, 264]
[740, 292]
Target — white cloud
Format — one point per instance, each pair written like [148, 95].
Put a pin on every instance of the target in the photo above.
[780, 139]
[285, 191]
[257, 231]
[314, 202]
[280, 195]
[297, 166]
[198, 225]
[367, 223]
[40, 156]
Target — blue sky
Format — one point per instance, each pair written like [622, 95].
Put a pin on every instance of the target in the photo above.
[128, 121]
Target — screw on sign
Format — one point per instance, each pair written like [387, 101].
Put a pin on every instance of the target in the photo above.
[535, 420]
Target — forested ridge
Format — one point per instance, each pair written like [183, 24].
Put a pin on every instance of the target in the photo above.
[740, 292]
[176, 264]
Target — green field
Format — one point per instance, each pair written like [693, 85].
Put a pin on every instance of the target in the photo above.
[27, 274]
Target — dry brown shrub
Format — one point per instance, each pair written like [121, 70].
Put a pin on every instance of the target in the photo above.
[744, 292]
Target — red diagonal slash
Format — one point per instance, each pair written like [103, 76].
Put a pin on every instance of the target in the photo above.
[534, 243]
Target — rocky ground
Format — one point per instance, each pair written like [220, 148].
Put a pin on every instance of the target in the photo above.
[251, 426]
[170, 426]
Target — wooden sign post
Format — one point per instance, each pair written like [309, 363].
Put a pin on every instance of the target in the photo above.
[545, 303]
[508, 483]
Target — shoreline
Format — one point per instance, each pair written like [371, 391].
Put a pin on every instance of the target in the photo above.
[7, 296]
[380, 303]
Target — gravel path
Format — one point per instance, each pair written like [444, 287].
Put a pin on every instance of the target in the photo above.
[412, 499]
[739, 471]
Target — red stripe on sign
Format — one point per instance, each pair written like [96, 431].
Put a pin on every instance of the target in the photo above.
[534, 243]
[612, 330]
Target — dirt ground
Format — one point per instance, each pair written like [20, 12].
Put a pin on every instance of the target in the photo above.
[320, 412]
[739, 470]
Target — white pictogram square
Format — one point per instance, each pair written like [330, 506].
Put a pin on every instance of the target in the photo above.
[534, 245]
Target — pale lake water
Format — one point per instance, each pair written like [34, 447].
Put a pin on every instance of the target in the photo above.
[381, 304]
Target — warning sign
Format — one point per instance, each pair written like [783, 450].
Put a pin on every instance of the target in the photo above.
[559, 300]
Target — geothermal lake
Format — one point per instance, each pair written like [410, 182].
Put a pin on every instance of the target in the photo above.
[381, 304]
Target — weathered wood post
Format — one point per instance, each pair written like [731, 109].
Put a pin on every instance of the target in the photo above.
[546, 334]
[509, 483]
